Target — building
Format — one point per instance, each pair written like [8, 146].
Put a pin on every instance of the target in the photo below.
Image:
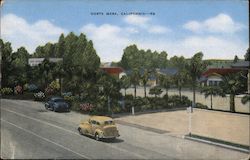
[153, 80]
[113, 71]
[36, 61]
[244, 65]
[213, 76]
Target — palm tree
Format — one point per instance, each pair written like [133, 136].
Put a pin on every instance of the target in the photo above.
[195, 68]
[144, 78]
[245, 99]
[125, 83]
[155, 90]
[165, 82]
[59, 73]
[211, 91]
[135, 78]
[233, 84]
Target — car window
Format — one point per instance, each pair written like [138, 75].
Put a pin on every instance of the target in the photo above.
[109, 122]
[59, 100]
[93, 122]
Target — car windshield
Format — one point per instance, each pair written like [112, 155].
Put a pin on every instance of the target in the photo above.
[59, 100]
[109, 122]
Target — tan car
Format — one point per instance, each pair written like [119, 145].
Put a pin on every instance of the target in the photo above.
[99, 127]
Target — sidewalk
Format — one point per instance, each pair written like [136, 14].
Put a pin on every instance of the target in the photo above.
[229, 127]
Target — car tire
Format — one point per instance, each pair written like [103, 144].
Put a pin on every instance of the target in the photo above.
[97, 137]
[54, 109]
[80, 131]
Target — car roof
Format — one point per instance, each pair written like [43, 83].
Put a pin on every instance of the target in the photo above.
[54, 98]
[101, 118]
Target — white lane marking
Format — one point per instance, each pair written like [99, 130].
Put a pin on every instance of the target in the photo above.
[79, 154]
[75, 133]
[13, 150]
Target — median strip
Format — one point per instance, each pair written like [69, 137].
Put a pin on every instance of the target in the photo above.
[155, 130]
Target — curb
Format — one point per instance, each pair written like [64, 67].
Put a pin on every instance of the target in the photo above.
[217, 144]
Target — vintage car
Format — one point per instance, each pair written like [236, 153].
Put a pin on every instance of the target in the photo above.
[57, 104]
[99, 127]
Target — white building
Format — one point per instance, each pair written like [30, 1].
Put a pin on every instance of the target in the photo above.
[37, 61]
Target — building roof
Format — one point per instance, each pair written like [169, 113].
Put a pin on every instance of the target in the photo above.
[168, 71]
[221, 71]
[241, 64]
[112, 70]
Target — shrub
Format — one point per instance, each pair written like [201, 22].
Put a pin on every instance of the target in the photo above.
[86, 107]
[67, 94]
[54, 85]
[202, 106]
[175, 101]
[49, 90]
[6, 91]
[69, 99]
[40, 96]
[157, 102]
[116, 109]
[32, 88]
[18, 89]
[155, 91]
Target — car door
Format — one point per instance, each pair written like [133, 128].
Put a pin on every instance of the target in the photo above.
[50, 103]
[87, 126]
[94, 126]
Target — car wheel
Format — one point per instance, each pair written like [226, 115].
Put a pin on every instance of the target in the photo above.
[54, 109]
[97, 137]
[80, 131]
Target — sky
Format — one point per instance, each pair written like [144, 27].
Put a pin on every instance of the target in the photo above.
[218, 28]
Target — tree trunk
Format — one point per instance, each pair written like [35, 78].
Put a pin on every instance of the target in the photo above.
[145, 91]
[211, 101]
[180, 93]
[194, 102]
[125, 91]
[135, 91]
[60, 82]
[232, 104]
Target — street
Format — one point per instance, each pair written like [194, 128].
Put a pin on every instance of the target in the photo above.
[29, 131]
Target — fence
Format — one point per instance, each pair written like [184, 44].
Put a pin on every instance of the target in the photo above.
[219, 103]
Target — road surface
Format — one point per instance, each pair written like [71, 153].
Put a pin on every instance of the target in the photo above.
[29, 131]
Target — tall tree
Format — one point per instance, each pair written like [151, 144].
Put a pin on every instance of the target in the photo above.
[236, 59]
[195, 67]
[247, 55]
[125, 83]
[20, 66]
[60, 46]
[181, 77]
[144, 78]
[135, 79]
[233, 84]
[165, 82]
[6, 67]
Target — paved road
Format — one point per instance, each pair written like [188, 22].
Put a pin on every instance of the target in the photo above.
[29, 131]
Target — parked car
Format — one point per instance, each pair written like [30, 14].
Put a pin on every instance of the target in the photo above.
[99, 127]
[57, 104]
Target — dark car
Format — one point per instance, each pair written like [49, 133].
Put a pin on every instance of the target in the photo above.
[57, 104]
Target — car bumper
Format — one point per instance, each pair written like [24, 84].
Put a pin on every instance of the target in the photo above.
[106, 137]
